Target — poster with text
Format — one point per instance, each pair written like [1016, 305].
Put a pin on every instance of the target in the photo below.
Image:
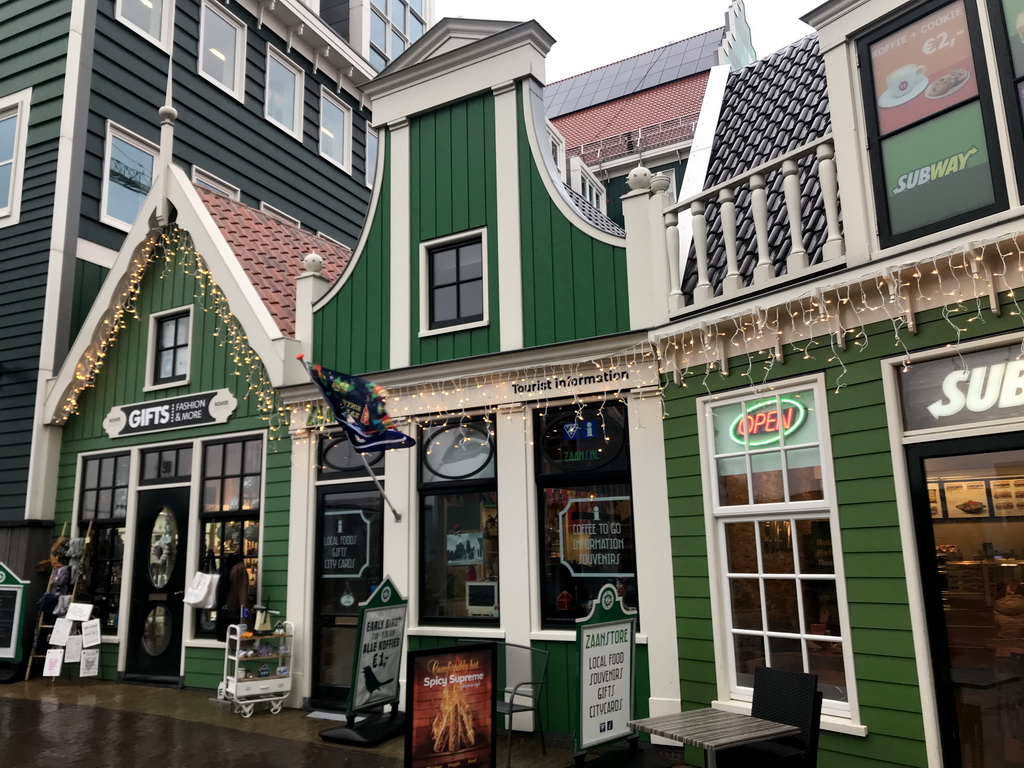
[52, 663]
[90, 663]
[380, 657]
[923, 68]
[606, 644]
[450, 718]
[73, 650]
[1013, 16]
[91, 633]
[61, 631]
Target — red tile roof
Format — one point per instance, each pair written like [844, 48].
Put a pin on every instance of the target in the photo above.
[630, 113]
[271, 253]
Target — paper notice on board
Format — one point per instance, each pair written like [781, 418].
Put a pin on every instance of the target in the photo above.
[73, 650]
[52, 665]
[91, 633]
[61, 631]
[79, 611]
[90, 663]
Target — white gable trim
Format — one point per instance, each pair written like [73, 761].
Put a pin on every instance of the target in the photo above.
[266, 339]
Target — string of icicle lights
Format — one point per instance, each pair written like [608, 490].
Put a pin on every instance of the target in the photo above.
[169, 249]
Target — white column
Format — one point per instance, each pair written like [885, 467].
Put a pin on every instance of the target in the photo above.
[653, 536]
[510, 272]
[301, 551]
[401, 253]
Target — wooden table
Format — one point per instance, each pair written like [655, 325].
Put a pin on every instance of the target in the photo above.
[712, 729]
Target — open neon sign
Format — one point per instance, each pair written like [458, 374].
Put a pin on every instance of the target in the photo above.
[767, 422]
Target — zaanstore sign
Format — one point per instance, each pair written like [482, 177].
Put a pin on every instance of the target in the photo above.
[972, 388]
[172, 413]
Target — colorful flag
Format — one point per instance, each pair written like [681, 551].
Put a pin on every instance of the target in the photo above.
[358, 405]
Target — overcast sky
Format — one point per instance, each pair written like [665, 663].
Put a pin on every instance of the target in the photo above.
[592, 33]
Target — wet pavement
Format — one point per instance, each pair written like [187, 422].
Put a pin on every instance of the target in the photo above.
[96, 724]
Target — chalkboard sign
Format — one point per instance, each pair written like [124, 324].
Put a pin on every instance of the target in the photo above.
[12, 610]
[8, 614]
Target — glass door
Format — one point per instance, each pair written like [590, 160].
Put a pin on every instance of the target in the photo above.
[969, 518]
[347, 568]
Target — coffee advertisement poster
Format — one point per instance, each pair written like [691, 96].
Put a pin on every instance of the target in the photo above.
[923, 68]
[450, 700]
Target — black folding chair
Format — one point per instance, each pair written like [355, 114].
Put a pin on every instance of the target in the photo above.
[785, 697]
[525, 670]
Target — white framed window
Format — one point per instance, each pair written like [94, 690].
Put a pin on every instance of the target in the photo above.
[127, 176]
[277, 213]
[170, 348]
[370, 171]
[556, 144]
[282, 104]
[394, 26]
[14, 111]
[215, 184]
[453, 283]
[335, 131]
[222, 49]
[153, 19]
[776, 567]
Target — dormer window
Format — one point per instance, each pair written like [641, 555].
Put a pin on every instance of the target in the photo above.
[394, 26]
[934, 150]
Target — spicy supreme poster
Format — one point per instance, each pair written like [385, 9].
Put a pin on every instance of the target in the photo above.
[450, 719]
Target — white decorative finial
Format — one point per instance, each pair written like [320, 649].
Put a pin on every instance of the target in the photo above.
[313, 262]
[639, 178]
[660, 182]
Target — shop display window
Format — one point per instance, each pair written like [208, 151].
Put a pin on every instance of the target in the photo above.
[103, 501]
[459, 523]
[969, 511]
[230, 513]
[778, 569]
[586, 510]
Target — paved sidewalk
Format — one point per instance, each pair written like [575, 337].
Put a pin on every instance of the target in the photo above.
[96, 724]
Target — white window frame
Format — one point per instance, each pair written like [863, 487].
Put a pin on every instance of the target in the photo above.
[277, 213]
[580, 177]
[237, 88]
[556, 141]
[388, 54]
[215, 184]
[154, 324]
[115, 130]
[370, 169]
[324, 236]
[274, 55]
[838, 716]
[346, 160]
[19, 105]
[165, 38]
[424, 279]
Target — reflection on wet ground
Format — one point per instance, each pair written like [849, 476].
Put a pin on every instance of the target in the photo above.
[94, 724]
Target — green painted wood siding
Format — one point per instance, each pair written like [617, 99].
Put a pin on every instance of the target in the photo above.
[121, 382]
[574, 287]
[33, 53]
[351, 332]
[88, 281]
[218, 133]
[560, 701]
[880, 629]
[454, 189]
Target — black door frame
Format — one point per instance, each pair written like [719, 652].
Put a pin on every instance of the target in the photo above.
[333, 696]
[928, 567]
[144, 596]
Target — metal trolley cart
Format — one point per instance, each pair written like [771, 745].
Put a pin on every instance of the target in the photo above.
[257, 669]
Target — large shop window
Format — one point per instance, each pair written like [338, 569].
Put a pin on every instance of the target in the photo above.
[775, 540]
[935, 158]
[230, 515]
[586, 509]
[459, 523]
[103, 501]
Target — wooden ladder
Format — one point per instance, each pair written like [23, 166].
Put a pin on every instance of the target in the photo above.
[41, 617]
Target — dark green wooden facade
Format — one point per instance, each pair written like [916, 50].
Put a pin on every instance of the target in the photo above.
[121, 381]
[873, 550]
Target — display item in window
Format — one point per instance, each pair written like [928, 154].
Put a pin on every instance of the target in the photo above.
[233, 589]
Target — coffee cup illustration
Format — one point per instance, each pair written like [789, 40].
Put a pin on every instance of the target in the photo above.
[904, 80]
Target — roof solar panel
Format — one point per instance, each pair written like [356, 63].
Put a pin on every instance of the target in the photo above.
[621, 78]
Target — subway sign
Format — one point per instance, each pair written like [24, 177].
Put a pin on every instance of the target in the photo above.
[767, 421]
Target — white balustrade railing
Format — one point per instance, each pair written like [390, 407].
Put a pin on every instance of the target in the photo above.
[724, 197]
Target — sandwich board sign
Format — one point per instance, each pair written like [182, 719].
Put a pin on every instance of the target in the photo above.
[606, 643]
[12, 614]
[381, 633]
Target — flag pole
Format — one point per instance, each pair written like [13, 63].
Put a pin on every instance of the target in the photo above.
[369, 469]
